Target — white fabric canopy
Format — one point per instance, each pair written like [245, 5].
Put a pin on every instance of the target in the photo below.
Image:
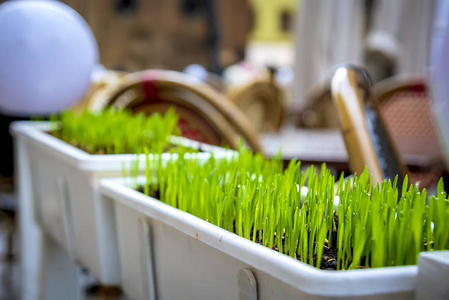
[402, 29]
[330, 32]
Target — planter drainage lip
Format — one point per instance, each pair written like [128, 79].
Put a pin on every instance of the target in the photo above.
[297, 274]
[109, 162]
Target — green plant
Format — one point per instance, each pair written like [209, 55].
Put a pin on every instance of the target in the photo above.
[115, 131]
[258, 200]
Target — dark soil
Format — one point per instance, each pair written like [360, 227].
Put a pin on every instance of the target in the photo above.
[154, 194]
[328, 260]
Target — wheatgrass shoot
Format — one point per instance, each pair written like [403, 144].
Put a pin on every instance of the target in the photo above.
[258, 200]
[115, 131]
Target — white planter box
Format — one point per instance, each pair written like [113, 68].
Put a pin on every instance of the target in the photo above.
[168, 254]
[65, 197]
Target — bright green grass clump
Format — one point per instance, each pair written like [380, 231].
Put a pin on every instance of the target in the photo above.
[115, 131]
[258, 200]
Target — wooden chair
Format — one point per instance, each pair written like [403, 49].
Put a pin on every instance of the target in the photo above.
[262, 101]
[205, 114]
[405, 105]
[367, 141]
[393, 124]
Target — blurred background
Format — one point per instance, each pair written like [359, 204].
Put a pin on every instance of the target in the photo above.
[133, 35]
[237, 39]
[271, 60]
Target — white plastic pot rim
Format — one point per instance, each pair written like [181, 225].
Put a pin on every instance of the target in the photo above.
[89, 162]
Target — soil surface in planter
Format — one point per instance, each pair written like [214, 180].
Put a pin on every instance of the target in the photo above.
[87, 149]
[328, 260]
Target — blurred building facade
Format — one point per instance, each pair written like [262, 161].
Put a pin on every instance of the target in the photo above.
[170, 34]
[274, 20]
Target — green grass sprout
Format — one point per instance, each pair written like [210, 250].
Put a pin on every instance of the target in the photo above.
[260, 201]
[115, 131]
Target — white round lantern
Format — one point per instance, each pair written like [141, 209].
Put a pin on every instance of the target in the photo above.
[47, 55]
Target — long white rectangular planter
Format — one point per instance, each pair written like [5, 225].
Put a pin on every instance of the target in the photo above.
[65, 198]
[169, 254]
